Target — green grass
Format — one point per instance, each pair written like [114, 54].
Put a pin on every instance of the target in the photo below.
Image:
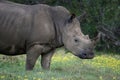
[63, 67]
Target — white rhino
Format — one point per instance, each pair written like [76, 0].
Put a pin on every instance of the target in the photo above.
[39, 29]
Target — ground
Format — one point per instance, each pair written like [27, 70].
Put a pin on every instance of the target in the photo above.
[64, 66]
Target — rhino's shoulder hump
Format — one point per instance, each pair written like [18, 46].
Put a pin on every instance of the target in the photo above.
[61, 8]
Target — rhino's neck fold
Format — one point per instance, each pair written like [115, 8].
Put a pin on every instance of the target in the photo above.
[59, 15]
[58, 35]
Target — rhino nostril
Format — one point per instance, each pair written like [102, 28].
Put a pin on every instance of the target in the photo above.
[84, 54]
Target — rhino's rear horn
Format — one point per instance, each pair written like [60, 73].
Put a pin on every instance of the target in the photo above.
[97, 38]
[71, 18]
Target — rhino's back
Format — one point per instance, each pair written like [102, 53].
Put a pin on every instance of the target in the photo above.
[15, 25]
[14, 22]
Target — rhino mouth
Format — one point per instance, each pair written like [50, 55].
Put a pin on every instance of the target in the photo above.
[85, 56]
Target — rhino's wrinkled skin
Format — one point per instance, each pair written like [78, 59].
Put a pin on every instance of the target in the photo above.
[38, 30]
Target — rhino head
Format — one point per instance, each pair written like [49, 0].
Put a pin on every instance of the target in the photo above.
[75, 41]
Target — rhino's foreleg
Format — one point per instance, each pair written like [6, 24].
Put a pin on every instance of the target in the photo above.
[32, 55]
[46, 59]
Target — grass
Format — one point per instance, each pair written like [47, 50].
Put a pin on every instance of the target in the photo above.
[63, 67]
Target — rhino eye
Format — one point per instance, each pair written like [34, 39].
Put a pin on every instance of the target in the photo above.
[76, 40]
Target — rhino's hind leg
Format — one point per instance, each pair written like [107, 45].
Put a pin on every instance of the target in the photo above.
[32, 55]
[46, 59]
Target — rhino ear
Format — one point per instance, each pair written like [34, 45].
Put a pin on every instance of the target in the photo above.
[71, 18]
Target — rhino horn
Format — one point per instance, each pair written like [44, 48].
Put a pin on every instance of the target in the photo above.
[96, 39]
